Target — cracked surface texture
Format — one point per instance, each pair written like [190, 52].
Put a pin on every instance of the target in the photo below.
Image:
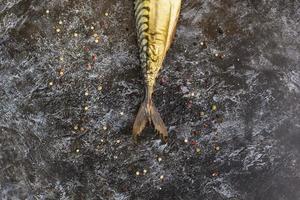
[70, 87]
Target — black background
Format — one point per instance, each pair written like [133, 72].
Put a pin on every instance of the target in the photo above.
[239, 108]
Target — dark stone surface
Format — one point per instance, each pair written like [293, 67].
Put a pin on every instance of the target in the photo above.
[249, 145]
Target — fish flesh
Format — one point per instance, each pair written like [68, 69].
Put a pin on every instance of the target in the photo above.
[155, 25]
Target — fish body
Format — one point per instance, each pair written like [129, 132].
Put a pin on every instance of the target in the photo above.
[155, 25]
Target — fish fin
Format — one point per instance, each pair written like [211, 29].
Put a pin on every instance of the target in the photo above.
[149, 113]
[158, 123]
[140, 121]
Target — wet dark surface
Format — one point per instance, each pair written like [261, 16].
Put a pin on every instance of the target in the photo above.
[230, 88]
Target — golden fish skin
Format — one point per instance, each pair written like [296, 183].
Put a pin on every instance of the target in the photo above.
[155, 24]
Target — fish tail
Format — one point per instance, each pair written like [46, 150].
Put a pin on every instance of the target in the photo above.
[149, 113]
[140, 121]
[158, 123]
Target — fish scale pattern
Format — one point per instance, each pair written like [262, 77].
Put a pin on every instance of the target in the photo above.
[142, 10]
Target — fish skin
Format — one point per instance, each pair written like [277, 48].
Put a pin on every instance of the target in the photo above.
[155, 25]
